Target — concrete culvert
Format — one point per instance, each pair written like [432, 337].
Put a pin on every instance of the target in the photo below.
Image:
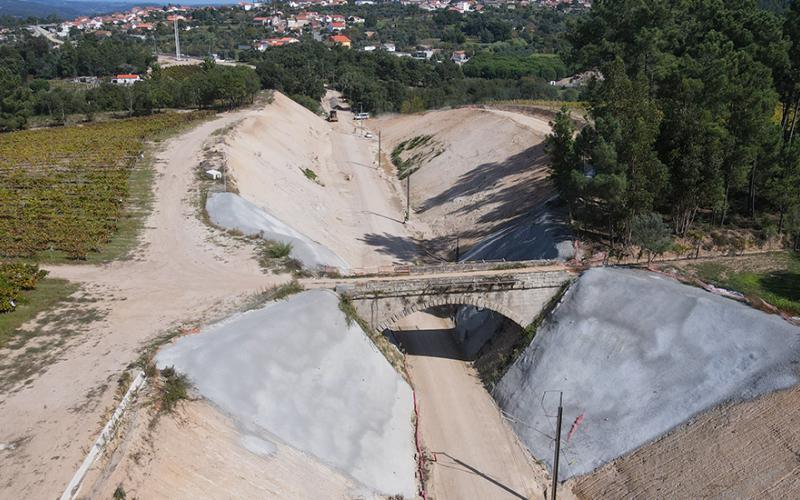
[636, 355]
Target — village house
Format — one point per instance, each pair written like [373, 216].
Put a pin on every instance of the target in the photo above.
[342, 40]
[125, 79]
[336, 26]
[459, 57]
[263, 45]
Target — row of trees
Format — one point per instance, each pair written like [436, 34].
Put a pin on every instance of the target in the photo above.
[206, 85]
[500, 65]
[382, 82]
[696, 116]
[83, 55]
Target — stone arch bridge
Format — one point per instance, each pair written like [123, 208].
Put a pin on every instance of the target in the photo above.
[519, 294]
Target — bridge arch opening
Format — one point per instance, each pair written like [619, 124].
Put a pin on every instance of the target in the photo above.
[439, 302]
[476, 332]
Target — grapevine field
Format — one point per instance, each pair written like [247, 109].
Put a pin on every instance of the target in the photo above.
[62, 190]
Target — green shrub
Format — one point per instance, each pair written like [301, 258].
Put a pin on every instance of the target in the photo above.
[119, 493]
[15, 278]
[175, 388]
[286, 290]
[278, 250]
[310, 174]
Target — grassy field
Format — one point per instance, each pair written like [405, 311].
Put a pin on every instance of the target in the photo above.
[542, 103]
[774, 277]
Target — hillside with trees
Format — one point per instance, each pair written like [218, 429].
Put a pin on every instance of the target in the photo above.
[38, 80]
[695, 120]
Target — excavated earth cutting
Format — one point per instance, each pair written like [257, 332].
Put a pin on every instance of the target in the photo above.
[481, 177]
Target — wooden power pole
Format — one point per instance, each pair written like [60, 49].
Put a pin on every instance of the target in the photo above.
[558, 446]
[408, 198]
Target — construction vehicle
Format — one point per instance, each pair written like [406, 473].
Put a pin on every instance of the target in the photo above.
[332, 116]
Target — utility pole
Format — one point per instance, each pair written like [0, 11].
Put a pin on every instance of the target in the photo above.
[379, 149]
[177, 38]
[408, 198]
[558, 446]
[361, 121]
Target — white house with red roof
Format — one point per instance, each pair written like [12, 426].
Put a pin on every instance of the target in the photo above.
[125, 79]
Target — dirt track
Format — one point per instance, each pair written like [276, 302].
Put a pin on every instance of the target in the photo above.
[750, 450]
[183, 273]
[178, 276]
[477, 453]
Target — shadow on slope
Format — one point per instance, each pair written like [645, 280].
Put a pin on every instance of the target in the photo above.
[509, 200]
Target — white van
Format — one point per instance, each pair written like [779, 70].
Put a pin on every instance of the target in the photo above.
[360, 116]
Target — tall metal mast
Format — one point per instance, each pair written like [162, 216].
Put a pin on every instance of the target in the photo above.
[177, 38]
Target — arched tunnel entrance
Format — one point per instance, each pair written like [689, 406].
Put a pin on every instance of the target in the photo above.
[481, 336]
[474, 452]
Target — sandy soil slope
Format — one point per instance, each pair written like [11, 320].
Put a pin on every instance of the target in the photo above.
[749, 450]
[489, 172]
[178, 276]
[199, 454]
[349, 208]
[477, 453]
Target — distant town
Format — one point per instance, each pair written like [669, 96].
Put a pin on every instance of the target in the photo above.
[283, 24]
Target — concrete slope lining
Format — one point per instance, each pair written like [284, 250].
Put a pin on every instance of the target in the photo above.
[295, 371]
[636, 355]
[231, 211]
[541, 234]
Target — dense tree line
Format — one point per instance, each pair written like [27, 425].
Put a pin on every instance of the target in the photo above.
[696, 116]
[774, 5]
[502, 65]
[379, 81]
[27, 67]
[33, 57]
